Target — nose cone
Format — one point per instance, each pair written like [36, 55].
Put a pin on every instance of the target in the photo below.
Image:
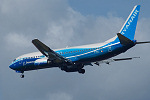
[12, 66]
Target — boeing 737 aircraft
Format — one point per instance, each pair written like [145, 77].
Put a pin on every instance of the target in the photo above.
[73, 59]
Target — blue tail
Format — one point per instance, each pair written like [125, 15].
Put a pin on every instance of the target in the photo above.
[129, 27]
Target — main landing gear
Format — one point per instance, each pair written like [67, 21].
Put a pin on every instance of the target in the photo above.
[82, 71]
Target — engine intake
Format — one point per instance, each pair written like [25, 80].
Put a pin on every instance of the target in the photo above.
[41, 62]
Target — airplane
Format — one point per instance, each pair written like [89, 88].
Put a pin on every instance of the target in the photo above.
[73, 59]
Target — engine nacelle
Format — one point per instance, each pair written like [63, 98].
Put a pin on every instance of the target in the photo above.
[72, 68]
[41, 62]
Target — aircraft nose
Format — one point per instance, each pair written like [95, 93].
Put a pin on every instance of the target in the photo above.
[12, 66]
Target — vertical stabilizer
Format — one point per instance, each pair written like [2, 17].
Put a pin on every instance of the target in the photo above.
[129, 27]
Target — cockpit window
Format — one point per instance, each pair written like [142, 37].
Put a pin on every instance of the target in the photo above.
[14, 60]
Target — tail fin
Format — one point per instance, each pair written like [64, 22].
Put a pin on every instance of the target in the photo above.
[129, 27]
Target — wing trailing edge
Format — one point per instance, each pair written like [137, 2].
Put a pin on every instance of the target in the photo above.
[52, 55]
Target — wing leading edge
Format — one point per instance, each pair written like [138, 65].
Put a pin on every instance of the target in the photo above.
[52, 55]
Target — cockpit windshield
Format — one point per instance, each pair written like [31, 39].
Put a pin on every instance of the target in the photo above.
[14, 60]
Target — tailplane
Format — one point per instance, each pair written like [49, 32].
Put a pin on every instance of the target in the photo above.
[142, 42]
[124, 40]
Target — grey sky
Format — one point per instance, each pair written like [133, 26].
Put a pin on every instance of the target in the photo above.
[61, 23]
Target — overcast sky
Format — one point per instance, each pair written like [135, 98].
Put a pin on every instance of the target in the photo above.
[61, 23]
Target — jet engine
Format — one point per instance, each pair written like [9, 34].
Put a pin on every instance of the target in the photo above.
[74, 68]
[41, 62]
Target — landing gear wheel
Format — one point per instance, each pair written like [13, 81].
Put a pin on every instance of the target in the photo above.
[82, 71]
[49, 61]
[22, 75]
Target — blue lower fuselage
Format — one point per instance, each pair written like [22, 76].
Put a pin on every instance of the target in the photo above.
[76, 55]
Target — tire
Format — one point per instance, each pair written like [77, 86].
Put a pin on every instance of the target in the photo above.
[82, 71]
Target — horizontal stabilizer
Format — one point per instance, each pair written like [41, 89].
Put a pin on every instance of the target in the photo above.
[125, 59]
[142, 42]
[108, 61]
[124, 40]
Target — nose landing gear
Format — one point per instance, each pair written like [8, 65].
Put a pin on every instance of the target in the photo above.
[22, 75]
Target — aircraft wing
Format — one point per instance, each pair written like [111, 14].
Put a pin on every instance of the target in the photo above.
[52, 55]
